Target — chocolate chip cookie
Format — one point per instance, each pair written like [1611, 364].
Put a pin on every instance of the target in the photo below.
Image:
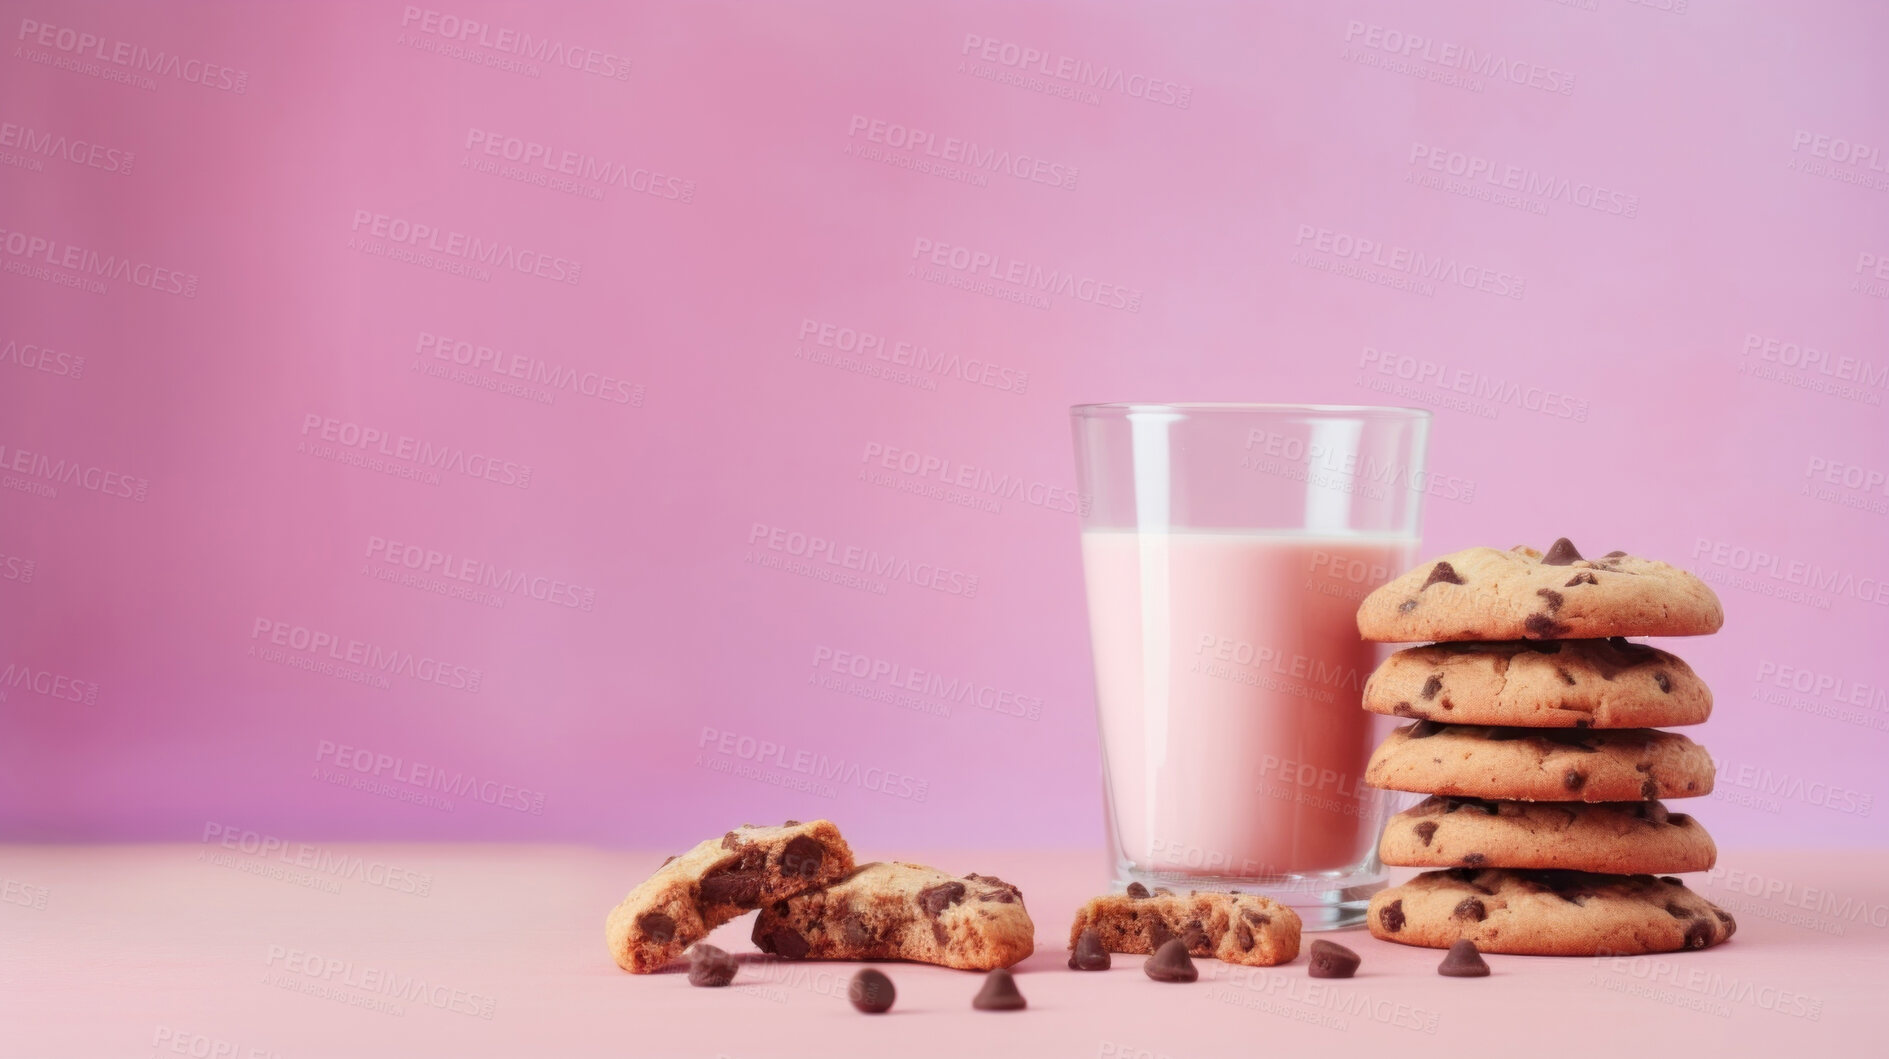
[893, 911]
[1548, 913]
[719, 879]
[1523, 594]
[1540, 764]
[1235, 928]
[1540, 684]
[1624, 837]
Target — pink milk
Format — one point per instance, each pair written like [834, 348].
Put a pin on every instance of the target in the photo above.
[1228, 677]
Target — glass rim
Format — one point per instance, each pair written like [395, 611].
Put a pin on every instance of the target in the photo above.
[1309, 411]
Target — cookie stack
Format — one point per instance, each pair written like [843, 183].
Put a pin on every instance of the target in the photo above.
[1536, 737]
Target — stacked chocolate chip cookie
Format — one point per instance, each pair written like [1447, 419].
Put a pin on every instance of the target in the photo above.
[1536, 737]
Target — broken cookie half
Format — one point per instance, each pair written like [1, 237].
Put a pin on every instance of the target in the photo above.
[888, 910]
[721, 878]
[1235, 928]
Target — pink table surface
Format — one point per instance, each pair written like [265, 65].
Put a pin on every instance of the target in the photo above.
[184, 950]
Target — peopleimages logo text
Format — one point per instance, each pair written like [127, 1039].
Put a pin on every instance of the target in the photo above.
[1003, 268]
[76, 150]
[909, 354]
[1077, 72]
[812, 548]
[578, 165]
[57, 253]
[473, 33]
[84, 45]
[1348, 247]
[424, 776]
[435, 563]
[1497, 67]
[967, 153]
[534, 370]
[459, 245]
[351, 435]
[317, 642]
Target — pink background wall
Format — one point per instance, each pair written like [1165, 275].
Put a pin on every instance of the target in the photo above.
[1672, 226]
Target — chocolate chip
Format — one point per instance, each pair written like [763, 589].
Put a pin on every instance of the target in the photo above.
[729, 841]
[1678, 911]
[1136, 890]
[1443, 572]
[1089, 955]
[802, 856]
[1473, 860]
[1403, 709]
[666, 861]
[784, 941]
[1542, 627]
[1391, 918]
[1170, 963]
[1001, 891]
[731, 887]
[855, 932]
[1463, 961]
[791, 823]
[1566, 677]
[1332, 960]
[1615, 555]
[1560, 553]
[999, 993]
[710, 966]
[1432, 686]
[1424, 729]
[1470, 908]
[1698, 934]
[1574, 779]
[1555, 599]
[658, 927]
[1653, 811]
[1671, 880]
[1678, 819]
[1158, 933]
[935, 899]
[1406, 606]
[1447, 704]
[871, 992]
[1426, 831]
[1243, 936]
[1258, 919]
[1585, 577]
[1725, 918]
[1665, 682]
[1649, 789]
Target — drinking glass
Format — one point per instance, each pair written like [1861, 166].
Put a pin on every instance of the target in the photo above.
[1225, 549]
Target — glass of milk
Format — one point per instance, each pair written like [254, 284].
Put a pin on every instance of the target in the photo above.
[1226, 549]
